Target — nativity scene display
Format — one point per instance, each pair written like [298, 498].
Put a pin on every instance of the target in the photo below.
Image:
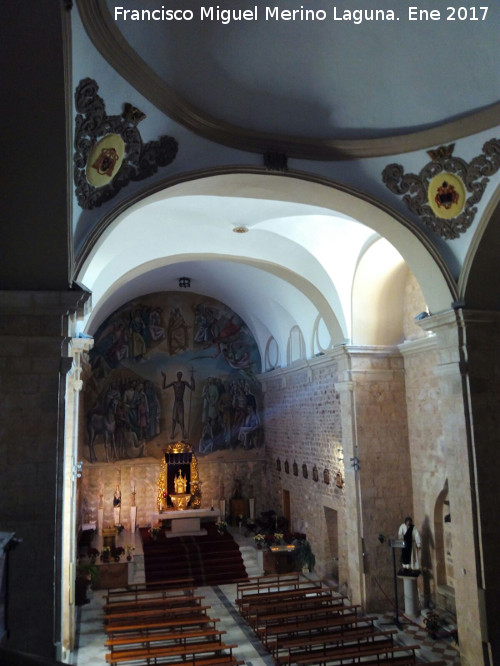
[172, 367]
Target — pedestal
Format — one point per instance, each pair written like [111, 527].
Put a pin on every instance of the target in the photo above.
[100, 521]
[411, 596]
[133, 516]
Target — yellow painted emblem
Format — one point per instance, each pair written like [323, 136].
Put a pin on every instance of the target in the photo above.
[446, 195]
[105, 160]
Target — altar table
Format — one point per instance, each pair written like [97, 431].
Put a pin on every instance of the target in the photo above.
[187, 522]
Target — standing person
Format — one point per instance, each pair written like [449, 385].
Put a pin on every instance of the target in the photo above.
[179, 387]
[412, 544]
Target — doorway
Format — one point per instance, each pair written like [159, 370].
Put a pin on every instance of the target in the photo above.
[332, 531]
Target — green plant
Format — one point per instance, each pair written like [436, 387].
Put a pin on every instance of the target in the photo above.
[431, 623]
[88, 571]
[304, 555]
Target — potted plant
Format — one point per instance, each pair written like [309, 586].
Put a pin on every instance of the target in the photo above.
[304, 556]
[87, 573]
[431, 623]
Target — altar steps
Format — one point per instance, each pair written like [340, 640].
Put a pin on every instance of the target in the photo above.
[212, 559]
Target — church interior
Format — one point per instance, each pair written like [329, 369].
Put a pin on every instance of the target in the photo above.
[250, 267]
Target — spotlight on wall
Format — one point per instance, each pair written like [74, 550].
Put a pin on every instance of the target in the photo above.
[184, 282]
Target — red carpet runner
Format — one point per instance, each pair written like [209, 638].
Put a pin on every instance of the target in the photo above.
[213, 559]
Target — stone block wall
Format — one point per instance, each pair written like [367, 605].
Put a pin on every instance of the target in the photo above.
[303, 426]
[33, 330]
[217, 482]
[384, 492]
[429, 465]
[347, 404]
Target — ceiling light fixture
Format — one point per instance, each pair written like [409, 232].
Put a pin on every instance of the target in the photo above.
[242, 229]
[184, 282]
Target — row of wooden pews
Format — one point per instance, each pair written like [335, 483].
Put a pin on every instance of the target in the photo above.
[163, 623]
[303, 622]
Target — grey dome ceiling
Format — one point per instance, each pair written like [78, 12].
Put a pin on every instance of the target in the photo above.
[322, 79]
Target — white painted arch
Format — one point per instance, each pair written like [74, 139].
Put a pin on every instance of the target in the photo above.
[296, 263]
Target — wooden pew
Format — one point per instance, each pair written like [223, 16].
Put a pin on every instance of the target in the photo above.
[190, 651]
[276, 629]
[150, 627]
[340, 635]
[164, 600]
[372, 653]
[140, 589]
[156, 613]
[164, 638]
[253, 613]
[266, 582]
[264, 585]
[279, 596]
[282, 618]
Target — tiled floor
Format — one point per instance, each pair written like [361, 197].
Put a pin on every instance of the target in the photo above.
[90, 635]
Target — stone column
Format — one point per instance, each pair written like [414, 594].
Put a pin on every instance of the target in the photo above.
[352, 494]
[455, 406]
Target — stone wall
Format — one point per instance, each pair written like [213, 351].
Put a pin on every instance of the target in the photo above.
[347, 404]
[217, 482]
[429, 466]
[33, 330]
[303, 426]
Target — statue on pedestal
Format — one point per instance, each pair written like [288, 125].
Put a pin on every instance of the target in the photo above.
[412, 544]
[117, 501]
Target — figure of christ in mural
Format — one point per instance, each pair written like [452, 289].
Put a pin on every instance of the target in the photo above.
[156, 330]
[177, 332]
[179, 387]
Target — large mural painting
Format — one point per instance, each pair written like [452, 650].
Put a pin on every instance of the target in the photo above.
[172, 367]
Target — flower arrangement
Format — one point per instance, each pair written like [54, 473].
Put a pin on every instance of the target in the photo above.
[259, 539]
[278, 536]
[129, 549]
[221, 526]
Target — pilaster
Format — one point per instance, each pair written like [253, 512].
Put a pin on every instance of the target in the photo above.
[456, 407]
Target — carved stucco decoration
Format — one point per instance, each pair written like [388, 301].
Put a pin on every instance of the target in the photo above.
[419, 191]
[92, 126]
